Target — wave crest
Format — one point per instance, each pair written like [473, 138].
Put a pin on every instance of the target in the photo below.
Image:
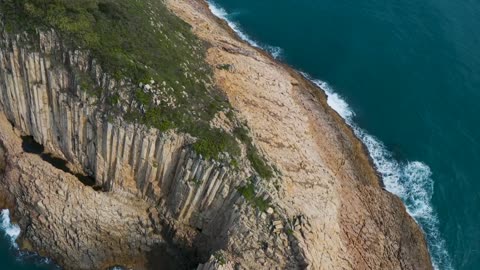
[221, 13]
[12, 231]
[411, 181]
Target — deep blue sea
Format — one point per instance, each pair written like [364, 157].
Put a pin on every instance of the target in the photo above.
[10, 257]
[406, 75]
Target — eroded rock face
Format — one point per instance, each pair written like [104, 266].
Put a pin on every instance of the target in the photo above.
[191, 201]
[2, 159]
[348, 220]
[74, 224]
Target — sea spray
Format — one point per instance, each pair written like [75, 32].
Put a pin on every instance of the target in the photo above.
[276, 52]
[12, 231]
[411, 181]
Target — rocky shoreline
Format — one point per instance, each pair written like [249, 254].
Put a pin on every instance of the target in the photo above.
[363, 203]
[327, 208]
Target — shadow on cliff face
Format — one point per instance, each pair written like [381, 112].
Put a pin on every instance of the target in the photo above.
[171, 255]
[177, 252]
[29, 145]
[2, 160]
[166, 257]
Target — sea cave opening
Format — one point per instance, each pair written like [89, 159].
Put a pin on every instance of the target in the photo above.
[29, 145]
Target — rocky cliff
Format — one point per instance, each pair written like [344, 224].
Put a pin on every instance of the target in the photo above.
[153, 196]
[45, 101]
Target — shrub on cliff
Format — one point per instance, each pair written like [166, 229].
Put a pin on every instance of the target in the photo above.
[137, 41]
[132, 39]
[140, 42]
[257, 162]
[249, 193]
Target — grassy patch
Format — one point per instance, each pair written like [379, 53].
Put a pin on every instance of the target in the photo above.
[220, 258]
[131, 39]
[226, 67]
[257, 161]
[137, 42]
[213, 141]
[248, 192]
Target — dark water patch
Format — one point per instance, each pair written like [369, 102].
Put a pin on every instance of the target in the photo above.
[27, 258]
[29, 145]
[13, 258]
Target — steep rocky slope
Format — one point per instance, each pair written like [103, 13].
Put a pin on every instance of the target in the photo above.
[60, 215]
[326, 173]
[162, 169]
[154, 193]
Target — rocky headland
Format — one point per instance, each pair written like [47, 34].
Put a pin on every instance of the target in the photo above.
[275, 179]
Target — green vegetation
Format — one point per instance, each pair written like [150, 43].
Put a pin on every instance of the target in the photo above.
[248, 192]
[215, 141]
[195, 181]
[131, 39]
[224, 67]
[220, 258]
[137, 42]
[257, 162]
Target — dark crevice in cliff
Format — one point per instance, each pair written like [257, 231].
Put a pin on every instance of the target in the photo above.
[29, 145]
[168, 257]
[2, 160]
[174, 254]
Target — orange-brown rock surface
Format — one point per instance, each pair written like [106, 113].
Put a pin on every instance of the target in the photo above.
[327, 176]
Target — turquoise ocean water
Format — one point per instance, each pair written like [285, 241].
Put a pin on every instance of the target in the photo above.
[406, 75]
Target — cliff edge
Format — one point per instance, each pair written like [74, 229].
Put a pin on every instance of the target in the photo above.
[215, 155]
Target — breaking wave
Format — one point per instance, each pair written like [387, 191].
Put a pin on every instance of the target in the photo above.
[276, 52]
[11, 231]
[411, 181]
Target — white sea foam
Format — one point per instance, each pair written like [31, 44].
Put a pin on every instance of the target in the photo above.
[411, 181]
[12, 231]
[34, 258]
[276, 52]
